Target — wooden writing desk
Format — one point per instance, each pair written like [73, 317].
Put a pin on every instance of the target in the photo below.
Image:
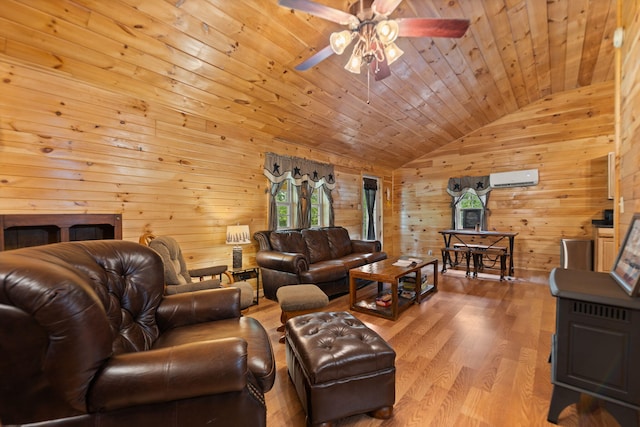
[487, 238]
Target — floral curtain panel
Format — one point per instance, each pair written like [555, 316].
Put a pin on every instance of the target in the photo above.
[306, 175]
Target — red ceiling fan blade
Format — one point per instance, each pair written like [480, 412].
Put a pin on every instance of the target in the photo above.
[385, 7]
[380, 69]
[315, 59]
[432, 27]
[320, 10]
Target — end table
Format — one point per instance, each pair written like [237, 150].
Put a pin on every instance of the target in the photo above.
[244, 273]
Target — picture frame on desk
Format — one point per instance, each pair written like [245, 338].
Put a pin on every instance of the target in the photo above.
[626, 269]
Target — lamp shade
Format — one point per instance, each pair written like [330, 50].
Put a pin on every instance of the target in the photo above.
[354, 64]
[392, 52]
[340, 40]
[238, 235]
[387, 31]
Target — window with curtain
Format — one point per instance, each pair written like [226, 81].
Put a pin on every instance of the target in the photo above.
[299, 192]
[288, 206]
[370, 189]
[285, 206]
[319, 212]
[470, 195]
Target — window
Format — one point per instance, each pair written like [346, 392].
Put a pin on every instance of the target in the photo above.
[284, 202]
[469, 210]
[371, 216]
[318, 204]
[287, 206]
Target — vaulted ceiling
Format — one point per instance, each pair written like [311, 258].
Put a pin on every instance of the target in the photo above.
[233, 62]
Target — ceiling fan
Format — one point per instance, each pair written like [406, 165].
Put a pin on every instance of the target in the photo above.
[374, 33]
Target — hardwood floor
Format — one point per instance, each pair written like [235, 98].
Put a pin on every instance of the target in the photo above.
[474, 354]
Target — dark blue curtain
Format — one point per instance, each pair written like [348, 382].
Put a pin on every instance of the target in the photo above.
[370, 189]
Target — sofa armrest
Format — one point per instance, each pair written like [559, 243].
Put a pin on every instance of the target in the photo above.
[282, 261]
[366, 246]
[168, 374]
[197, 307]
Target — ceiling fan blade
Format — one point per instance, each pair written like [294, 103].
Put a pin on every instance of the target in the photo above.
[385, 7]
[432, 27]
[320, 10]
[315, 59]
[382, 68]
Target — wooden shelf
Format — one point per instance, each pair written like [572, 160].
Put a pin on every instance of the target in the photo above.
[19, 231]
[373, 308]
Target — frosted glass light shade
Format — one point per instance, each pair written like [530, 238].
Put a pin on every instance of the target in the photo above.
[392, 52]
[387, 31]
[340, 40]
[354, 64]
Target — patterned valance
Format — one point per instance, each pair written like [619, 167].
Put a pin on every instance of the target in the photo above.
[277, 168]
[457, 186]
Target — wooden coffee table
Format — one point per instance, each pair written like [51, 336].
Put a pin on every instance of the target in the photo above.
[385, 272]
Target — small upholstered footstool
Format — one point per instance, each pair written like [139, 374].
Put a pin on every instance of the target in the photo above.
[300, 299]
[339, 367]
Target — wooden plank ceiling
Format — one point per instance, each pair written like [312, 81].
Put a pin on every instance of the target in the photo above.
[232, 62]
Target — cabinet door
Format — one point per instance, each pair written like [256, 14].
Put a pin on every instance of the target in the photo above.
[608, 254]
[605, 254]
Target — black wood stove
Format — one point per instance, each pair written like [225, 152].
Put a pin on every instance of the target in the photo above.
[596, 347]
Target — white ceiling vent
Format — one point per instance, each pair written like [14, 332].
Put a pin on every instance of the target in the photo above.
[514, 179]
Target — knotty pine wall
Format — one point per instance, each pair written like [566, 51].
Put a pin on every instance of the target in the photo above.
[629, 125]
[66, 146]
[565, 136]
[71, 147]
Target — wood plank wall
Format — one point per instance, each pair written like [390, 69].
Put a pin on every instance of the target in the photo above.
[565, 136]
[629, 152]
[71, 147]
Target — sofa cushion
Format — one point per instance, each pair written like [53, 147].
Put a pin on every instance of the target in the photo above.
[353, 260]
[289, 241]
[317, 245]
[339, 242]
[374, 257]
[324, 271]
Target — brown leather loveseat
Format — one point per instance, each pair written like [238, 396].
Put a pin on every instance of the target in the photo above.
[320, 256]
[87, 338]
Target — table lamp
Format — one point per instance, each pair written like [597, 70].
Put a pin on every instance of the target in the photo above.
[238, 235]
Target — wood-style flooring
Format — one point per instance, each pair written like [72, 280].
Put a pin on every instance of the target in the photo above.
[473, 354]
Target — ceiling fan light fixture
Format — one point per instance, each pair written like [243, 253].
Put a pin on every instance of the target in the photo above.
[354, 64]
[387, 31]
[392, 52]
[340, 40]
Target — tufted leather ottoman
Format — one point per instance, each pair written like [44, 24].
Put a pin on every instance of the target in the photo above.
[339, 367]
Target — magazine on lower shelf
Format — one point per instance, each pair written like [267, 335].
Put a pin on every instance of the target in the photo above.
[412, 279]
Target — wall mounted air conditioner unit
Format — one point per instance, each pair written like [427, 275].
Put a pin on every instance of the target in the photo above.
[514, 179]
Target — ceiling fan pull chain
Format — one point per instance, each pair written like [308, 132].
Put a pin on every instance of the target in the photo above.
[368, 84]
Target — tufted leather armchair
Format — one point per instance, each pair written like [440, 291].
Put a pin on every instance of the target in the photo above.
[88, 338]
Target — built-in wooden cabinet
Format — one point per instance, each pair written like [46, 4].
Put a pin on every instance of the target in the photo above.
[605, 253]
[19, 231]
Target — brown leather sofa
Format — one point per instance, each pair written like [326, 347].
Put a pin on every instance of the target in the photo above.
[320, 256]
[87, 338]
